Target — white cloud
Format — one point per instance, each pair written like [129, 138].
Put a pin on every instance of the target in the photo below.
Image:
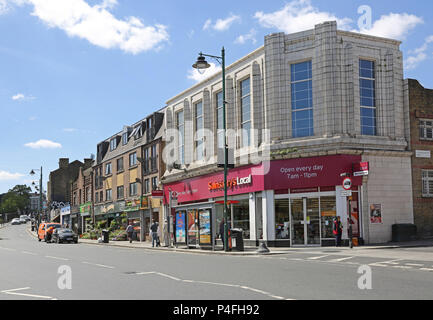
[418, 55]
[4, 175]
[207, 24]
[394, 26]
[245, 37]
[43, 144]
[222, 24]
[298, 15]
[69, 129]
[22, 97]
[98, 26]
[193, 74]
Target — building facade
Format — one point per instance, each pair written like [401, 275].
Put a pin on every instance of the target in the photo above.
[304, 112]
[125, 173]
[420, 102]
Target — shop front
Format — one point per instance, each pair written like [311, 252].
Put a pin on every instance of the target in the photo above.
[283, 202]
[65, 216]
[86, 218]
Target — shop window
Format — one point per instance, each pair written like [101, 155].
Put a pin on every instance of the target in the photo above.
[241, 217]
[282, 219]
[328, 212]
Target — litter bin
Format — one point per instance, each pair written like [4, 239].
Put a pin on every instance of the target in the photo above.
[239, 240]
[105, 235]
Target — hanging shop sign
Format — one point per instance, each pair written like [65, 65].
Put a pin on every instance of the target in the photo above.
[144, 203]
[360, 169]
[86, 208]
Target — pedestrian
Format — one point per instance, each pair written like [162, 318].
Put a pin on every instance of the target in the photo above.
[222, 231]
[166, 234]
[338, 231]
[129, 232]
[154, 230]
[158, 239]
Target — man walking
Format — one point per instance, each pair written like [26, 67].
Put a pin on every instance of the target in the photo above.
[129, 232]
[154, 230]
[338, 231]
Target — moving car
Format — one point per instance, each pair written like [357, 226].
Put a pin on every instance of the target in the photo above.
[64, 235]
[44, 226]
[15, 221]
[25, 217]
[22, 220]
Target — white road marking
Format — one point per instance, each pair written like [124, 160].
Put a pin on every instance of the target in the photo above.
[12, 292]
[99, 265]
[390, 261]
[213, 283]
[414, 264]
[57, 258]
[378, 265]
[426, 269]
[26, 252]
[8, 249]
[319, 257]
[340, 259]
[402, 267]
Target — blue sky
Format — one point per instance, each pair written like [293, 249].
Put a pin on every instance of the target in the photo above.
[73, 72]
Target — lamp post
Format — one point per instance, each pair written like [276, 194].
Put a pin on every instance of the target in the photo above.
[202, 64]
[40, 194]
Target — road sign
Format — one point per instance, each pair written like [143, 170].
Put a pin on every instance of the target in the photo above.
[347, 184]
[346, 193]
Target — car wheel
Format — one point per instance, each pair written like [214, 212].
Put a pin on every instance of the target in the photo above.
[39, 239]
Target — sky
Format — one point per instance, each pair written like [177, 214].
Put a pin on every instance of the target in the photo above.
[74, 72]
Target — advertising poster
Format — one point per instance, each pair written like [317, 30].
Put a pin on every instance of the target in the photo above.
[204, 222]
[192, 227]
[376, 213]
[180, 227]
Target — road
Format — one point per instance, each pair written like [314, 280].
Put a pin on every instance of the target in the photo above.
[30, 270]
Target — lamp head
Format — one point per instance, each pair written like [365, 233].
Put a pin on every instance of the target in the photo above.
[201, 64]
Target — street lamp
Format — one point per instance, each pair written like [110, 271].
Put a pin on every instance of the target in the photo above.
[40, 193]
[201, 65]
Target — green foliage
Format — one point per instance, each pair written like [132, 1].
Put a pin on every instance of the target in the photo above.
[17, 199]
[283, 152]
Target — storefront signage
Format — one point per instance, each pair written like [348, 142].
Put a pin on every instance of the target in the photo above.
[86, 207]
[360, 169]
[132, 205]
[110, 208]
[144, 203]
[231, 183]
[423, 154]
[299, 173]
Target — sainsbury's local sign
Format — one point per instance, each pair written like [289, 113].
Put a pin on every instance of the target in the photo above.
[231, 183]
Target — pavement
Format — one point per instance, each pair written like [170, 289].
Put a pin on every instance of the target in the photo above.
[253, 250]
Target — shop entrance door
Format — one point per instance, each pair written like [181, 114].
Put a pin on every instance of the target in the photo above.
[305, 221]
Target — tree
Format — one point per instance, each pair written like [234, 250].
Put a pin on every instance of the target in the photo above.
[17, 199]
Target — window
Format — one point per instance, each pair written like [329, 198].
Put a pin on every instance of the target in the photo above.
[146, 161]
[427, 183]
[146, 186]
[220, 120]
[108, 168]
[282, 219]
[133, 189]
[120, 192]
[113, 144]
[153, 158]
[108, 195]
[426, 129]
[125, 138]
[119, 164]
[180, 138]
[301, 84]
[246, 112]
[199, 130]
[101, 196]
[97, 197]
[133, 159]
[88, 194]
[155, 183]
[368, 97]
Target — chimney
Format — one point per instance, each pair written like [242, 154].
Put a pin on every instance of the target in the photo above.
[88, 163]
[63, 163]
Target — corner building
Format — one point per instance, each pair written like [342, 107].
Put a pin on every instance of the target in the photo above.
[323, 103]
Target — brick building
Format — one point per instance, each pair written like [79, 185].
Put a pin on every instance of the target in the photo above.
[420, 101]
[331, 103]
[81, 199]
[126, 171]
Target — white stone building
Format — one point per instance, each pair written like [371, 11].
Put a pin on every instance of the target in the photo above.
[330, 101]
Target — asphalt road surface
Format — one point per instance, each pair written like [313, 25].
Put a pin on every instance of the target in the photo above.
[35, 270]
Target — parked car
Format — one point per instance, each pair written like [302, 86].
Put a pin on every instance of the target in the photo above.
[25, 217]
[23, 221]
[15, 221]
[64, 235]
[44, 226]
